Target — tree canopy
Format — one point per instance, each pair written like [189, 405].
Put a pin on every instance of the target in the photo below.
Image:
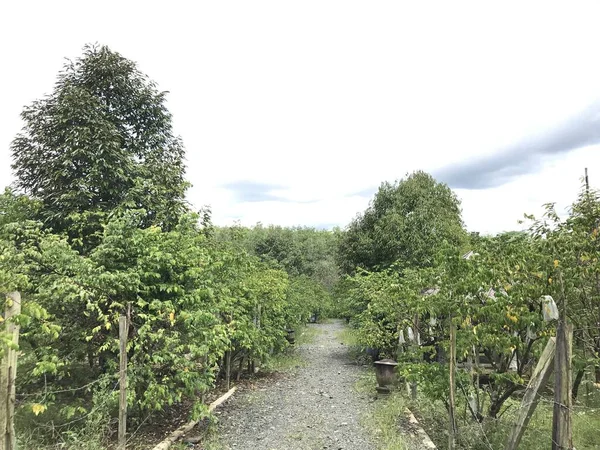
[105, 138]
[405, 224]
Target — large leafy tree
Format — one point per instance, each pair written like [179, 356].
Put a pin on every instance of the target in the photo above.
[405, 224]
[102, 140]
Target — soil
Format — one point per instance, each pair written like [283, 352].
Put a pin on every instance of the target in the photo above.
[316, 407]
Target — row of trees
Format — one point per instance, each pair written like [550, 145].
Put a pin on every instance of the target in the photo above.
[494, 291]
[98, 228]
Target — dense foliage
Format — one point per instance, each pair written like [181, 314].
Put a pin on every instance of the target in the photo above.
[105, 139]
[404, 225]
[100, 230]
[306, 254]
[497, 297]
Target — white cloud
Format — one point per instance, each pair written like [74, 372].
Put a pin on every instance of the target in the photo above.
[330, 98]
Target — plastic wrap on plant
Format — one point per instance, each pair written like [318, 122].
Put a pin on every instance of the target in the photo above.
[401, 337]
[411, 334]
[531, 334]
[513, 362]
[549, 308]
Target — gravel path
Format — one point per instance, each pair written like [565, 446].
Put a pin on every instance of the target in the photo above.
[315, 408]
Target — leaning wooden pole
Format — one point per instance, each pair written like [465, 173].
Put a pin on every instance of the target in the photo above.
[537, 382]
[184, 429]
[123, 332]
[562, 431]
[8, 373]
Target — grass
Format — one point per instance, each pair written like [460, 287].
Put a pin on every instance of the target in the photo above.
[347, 336]
[491, 434]
[290, 360]
[382, 420]
[384, 423]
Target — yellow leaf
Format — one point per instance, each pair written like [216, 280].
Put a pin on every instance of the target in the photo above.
[550, 280]
[107, 325]
[556, 263]
[38, 408]
[172, 318]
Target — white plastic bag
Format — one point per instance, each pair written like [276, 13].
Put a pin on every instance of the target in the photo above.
[411, 334]
[549, 308]
[401, 337]
[513, 362]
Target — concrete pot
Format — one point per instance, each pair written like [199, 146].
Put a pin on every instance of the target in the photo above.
[385, 372]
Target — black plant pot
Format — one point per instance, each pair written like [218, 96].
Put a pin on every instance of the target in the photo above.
[291, 336]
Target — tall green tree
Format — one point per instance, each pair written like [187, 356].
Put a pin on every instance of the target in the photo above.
[102, 140]
[405, 224]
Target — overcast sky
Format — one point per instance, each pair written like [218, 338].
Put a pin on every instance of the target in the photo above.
[294, 112]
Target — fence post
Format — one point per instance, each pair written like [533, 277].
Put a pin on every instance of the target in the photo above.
[8, 373]
[451, 400]
[123, 332]
[562, 432]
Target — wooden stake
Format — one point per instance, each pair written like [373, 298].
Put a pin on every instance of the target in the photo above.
[562, 431]
[123, 332]
[8, 373]
[451, 399]
[228, 368]
[539, 379]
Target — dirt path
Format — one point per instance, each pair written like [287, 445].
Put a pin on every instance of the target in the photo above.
[315, 408]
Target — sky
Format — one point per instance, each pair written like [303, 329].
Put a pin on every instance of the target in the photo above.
[292, 113]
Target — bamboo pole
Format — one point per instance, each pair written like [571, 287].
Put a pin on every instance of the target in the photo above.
[451, 399]
[8, 373]
[123, 332]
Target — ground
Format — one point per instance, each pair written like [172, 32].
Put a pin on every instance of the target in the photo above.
[314, 407]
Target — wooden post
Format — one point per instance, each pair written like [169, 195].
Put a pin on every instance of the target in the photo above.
[8, 373]
[417, 345]
[451, 400]
[228, 368]
[123, 332]
[562, 432]
[539, 379]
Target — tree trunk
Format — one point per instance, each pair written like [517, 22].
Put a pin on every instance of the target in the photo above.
[577, 383]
